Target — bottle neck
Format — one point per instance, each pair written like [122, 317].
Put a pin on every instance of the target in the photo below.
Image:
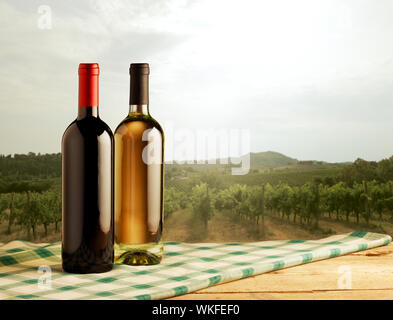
[139, 87]
[139, 109]
[88, 87]
[86, 112]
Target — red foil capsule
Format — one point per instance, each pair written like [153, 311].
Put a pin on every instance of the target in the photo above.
[88, 84]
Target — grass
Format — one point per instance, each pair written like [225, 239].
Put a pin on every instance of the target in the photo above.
[225, 227]
[20, 234]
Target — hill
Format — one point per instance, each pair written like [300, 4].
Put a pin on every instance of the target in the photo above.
[259, 161]
[22, 166]
[270, 159]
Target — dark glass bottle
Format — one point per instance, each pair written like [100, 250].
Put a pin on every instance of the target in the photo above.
[139, 161]
[87, 184]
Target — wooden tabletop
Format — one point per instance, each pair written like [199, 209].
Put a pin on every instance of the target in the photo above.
[366, 274]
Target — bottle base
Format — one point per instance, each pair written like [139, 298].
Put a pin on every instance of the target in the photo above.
[139, 254]
[88, 269]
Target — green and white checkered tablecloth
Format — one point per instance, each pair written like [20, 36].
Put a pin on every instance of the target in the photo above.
[185, 268]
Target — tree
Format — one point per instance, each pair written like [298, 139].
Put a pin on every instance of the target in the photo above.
[358, 171]
[271, 199]
[316, 204]
[49, 207]
[30, 214]
[254, 203]
[56, 208]
[310, 202]
[202, 203]
[347, 201]
[4, 205]
[171, 201]
[234, 198]
[366, 199]
[285, 196]
[335, 198]
[357, 203]
[384, 170]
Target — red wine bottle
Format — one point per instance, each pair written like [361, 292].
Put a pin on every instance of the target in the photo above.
[87, 184]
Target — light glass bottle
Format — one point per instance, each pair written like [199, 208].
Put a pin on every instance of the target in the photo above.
[139, 175]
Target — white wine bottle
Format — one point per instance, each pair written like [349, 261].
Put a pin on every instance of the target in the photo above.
[139, 170]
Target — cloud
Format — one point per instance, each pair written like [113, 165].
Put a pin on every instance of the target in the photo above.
[39, 67]
[311, 79]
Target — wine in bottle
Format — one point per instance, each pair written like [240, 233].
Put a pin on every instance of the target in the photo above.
[139, 155]
[87, 184]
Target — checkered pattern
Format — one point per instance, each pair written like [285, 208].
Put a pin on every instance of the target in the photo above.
[185, 268]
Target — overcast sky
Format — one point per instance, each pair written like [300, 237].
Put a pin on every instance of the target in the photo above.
[310, 79]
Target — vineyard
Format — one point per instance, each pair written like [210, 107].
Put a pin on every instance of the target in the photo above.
[29, 210]
[360, 194]
[303, 205]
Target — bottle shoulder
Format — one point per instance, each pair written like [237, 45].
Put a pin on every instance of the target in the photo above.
[105, 127]
[146, 121]
[71, 130]
[87, 126]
